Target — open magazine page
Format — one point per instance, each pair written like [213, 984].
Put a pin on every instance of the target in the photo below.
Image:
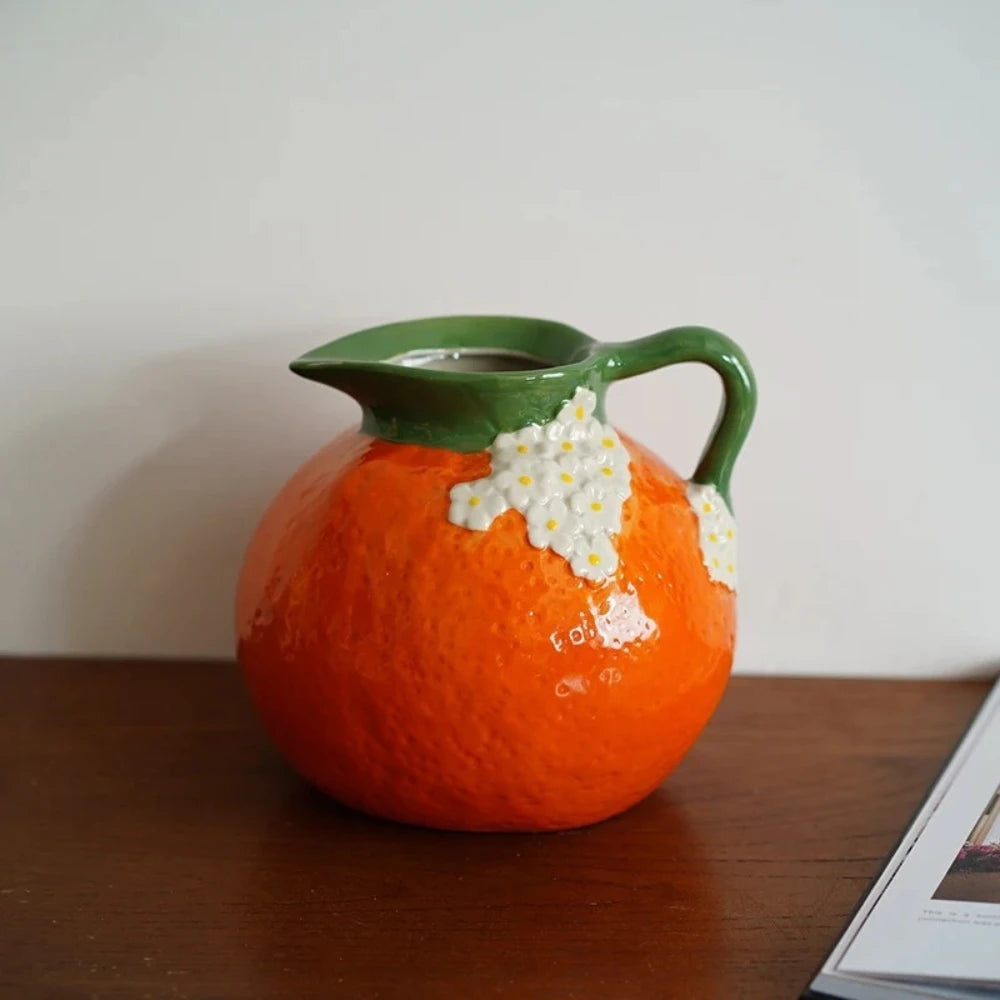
[938, 916]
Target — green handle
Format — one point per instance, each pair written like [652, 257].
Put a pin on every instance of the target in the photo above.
[698, 343]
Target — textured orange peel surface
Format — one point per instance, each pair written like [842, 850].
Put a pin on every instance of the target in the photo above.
[460, 679]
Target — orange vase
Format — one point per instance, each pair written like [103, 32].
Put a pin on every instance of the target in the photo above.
[486, 609]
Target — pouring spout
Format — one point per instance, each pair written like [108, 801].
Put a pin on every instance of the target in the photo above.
[458, 381]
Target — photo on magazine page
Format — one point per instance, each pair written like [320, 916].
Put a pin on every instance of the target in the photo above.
[974, 875]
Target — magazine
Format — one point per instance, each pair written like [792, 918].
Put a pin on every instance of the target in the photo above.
[930, 924]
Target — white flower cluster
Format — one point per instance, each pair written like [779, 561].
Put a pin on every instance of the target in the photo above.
[569, 478]
[716, 532]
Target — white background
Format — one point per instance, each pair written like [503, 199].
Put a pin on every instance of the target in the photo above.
[191, 194]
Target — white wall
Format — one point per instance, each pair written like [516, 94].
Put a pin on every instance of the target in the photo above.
[191, 194]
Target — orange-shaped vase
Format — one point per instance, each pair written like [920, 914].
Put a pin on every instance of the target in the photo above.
[486, 609]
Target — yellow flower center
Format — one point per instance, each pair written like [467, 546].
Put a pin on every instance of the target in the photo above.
[566, 477]
[567, 446]
[594, 559]
[596, 506]
[715, 563]
[608, 443]
[729, 533]
[579, 413]
[552, 524]
[706, 507]
[525, 480]
[606, 471]
[523, 449]
[474, 501]
[713, 537]
[730, 567]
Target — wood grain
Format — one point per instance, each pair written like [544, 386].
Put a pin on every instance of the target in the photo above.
[152, 845]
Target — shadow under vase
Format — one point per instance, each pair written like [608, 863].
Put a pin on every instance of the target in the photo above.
[360, 906]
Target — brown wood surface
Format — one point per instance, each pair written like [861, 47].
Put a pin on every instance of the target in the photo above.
[152, 845]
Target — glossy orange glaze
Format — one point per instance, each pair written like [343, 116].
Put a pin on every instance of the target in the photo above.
[460, 679]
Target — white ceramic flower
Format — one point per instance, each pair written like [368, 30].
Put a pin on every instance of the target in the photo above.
[579, 408]
[569, 474]
[609, 439]
[598, 509]
[609, 449]
[594, 557]
[475, 505]
[523, 482]
[552, 525]
[613, 478]
[716, 532]
[550, 478]
[516, 446]
[580, 433]
[556, 441]
[568, 477]
[590, 431]
[576, 422]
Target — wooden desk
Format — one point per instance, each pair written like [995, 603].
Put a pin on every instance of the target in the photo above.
[153, 846]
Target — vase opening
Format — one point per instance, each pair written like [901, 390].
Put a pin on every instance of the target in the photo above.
[471, 359]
